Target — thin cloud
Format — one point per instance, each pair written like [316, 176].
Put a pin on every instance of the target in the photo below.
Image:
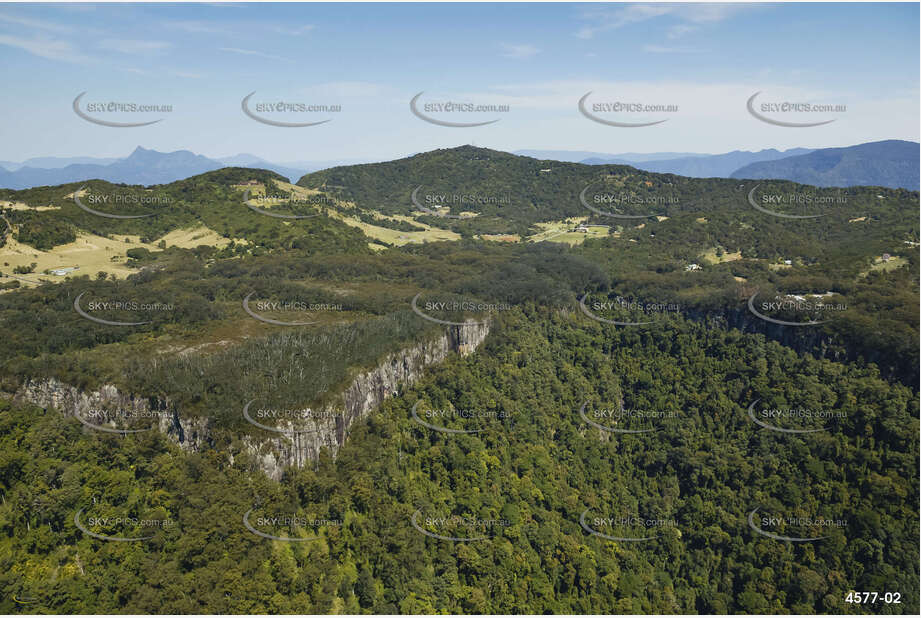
[198, 27]
[612, 19]
[676, 32]
[230, 27]
[252, 52]
[709, 13]
[134, 46]
[293, 31]
[519, 51]
[34, 23]
[346, 90]
[663, 49]
[50, 49]
[690, 16]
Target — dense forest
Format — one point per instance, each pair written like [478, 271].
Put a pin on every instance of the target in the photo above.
[534, 473]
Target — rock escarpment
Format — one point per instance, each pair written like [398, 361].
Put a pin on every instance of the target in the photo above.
[328, 427]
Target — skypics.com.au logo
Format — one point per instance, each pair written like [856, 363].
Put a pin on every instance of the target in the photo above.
[288, 527]
[451, 306]
[643, 203]
[259, 308]
[439, 112]
[262, 204]
[793, 114]
[772, 203]
[91, 202]
[625, 528]
[288, 420]
[435, 203]
[809, 306]
[793, 528]
[797, 420]
[122, 421]
[457, 528]
[118, 307]
[627, 421]
[104, 113]
[625, 309]
[111, 527]
[281, 113]
[617, 112]
[476, 420]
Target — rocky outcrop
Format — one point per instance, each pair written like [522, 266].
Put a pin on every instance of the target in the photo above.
[327, 427]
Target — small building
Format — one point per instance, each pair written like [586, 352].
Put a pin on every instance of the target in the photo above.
[886, 257]
[581, 228]
[60, 272]
[546, 171]
[692, 267]
[788, 262]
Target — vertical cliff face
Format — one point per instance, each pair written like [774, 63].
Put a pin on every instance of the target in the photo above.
[327, 428]
[102, 407]
[330, 426]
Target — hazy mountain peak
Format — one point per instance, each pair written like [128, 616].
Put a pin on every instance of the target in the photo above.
[887, 163]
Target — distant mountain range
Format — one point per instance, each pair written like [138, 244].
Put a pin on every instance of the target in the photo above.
[580, 156]
[141, 167]
[54, 162]
[145, 167]
[890, 163]
[701, 166]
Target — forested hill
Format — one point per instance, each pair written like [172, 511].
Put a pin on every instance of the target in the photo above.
[214, 200]
[507, 192]
[706, 244]
[493, 191]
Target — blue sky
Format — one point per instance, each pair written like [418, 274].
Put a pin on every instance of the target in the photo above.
[371, 59]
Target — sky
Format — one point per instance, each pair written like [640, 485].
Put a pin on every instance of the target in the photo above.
[701, 61]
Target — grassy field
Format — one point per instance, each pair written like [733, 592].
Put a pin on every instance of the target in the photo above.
[552, 231]
[21, 206]
[92, 254]
[561, 231]
[387, 235]
[709, 256]
[501, 237]
[779, 266]
[879, 265]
